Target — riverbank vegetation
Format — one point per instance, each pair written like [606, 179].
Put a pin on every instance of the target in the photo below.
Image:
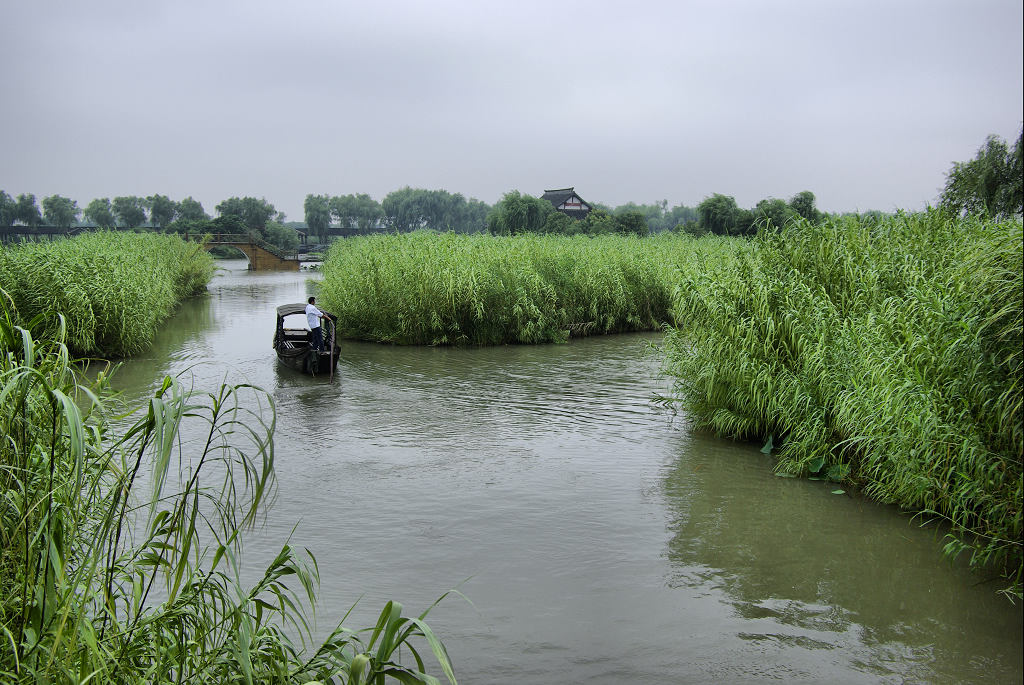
[881, 354]
[443, 288]
[120, 549]
[112, 289]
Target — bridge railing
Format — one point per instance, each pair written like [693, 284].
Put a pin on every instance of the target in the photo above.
[242, 239]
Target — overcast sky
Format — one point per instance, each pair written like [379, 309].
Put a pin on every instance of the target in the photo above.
[865, 103]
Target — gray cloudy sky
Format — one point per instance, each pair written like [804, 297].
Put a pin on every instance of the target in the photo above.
[864, 103]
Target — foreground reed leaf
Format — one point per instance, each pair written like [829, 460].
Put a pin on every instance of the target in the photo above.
[120, 555]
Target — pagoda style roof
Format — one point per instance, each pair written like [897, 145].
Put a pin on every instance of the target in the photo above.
[558, 195]
[567, 201]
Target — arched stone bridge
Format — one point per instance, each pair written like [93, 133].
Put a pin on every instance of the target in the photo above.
[262, 255]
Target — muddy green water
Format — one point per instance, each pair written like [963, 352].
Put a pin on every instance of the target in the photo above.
[599, 539]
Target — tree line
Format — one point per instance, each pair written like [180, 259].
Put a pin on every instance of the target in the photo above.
[991, 184]
[406, 209]
[239, 215]
[718, 214]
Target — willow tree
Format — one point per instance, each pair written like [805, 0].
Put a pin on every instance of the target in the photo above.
[60, 211]
[991, 184]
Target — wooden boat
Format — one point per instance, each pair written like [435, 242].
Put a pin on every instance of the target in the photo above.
[293, 344]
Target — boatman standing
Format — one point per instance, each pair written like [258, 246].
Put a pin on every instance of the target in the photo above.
[313, 316]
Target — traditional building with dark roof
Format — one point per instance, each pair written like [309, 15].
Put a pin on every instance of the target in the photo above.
[567, 201]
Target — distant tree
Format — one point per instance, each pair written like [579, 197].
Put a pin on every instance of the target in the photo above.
[631, 222]
[654, 214]
[803, 204]
[403, 209]
[254, 213]
[26, 211]
[681, 215]
[992, 184]
[444, 211]
[229, 223]
[191, 210]
[599, 222]
[100, 213]
[560, 223]
[281, 236]
[693, 228]
[744, 222]
[356, 211]
[773, 213]
[130, 211]
[7, 209]
[60, 211]
[718, 214]
[517, 213]
[318, 215]
[475, 218]
[162, 210]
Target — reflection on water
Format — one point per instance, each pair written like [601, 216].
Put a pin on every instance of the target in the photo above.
[599, 540]
[813, 570]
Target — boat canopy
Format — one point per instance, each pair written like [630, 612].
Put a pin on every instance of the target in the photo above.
[298, 308]
[289, 309]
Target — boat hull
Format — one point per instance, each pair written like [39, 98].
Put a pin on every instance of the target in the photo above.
[306, 360]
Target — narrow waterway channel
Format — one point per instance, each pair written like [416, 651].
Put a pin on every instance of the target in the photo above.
[599, 539]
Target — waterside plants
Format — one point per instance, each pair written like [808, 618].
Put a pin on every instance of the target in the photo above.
[120, 548]
[882, 354]
[112, 288]
[444, 288]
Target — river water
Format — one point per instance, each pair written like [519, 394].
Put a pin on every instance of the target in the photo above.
[597, 537]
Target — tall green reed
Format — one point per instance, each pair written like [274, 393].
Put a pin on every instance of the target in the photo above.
[120, 550]
[446, 288]
[113, 288]
[886, 355]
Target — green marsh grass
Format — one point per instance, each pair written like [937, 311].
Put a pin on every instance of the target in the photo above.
[113, 288]
[428, 288]
[119, 551]
[886, 355]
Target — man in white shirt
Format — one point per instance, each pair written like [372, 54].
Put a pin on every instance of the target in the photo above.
[313, 316]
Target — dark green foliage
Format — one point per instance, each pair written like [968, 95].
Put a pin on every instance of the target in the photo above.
[100, 213]
[773, 213]
[560, 223]
[803, 203]
[360, 212]
[631, 223]
[191, 210]
[60, 211]
[231, 223]
[281, 237]
[410, 209]
[719, 214]
[657, 215]
[992, 184]
[599, 222]
[162, 210]
[885, 353]
[253, 212]
[517, 213]
[130, 211]
[26, 211]
[318, 215]
[7, 209]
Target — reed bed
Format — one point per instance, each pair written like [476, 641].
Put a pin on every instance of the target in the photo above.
[885, 355]
[119, 553]
[112, 288]
[427, 288]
